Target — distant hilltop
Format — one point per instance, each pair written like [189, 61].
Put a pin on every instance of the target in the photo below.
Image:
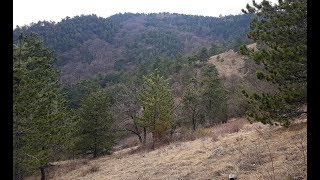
[89, 45]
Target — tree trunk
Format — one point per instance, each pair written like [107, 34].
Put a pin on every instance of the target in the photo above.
[18, 174]
[140, 138]
[193, 120]
[153, 140]
[209, 114]
[43, 174]
[144, 136]
[194, 123]
[95, 152]
[95, 149]
[173, 128]
[226, 118]
[138, 133]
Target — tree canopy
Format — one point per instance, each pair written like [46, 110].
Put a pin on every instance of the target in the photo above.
[88, 45]
[281, 33]
[39, 112]
[157, 105]
[94, 125]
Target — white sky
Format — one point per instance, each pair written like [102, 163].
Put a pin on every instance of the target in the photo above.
[27, 11]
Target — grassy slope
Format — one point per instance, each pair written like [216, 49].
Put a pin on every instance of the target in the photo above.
[216, 154]
[230, 63]
[236, 147]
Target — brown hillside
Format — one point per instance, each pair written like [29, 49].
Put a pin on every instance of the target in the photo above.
[251, 151]
[230, 63]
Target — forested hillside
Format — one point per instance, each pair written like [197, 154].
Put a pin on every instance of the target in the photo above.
[89, 45]
[88, 87]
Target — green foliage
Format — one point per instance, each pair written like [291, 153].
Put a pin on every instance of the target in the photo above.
[125, 41]
[94, 125]
[281, 31]
[236, 44]
[215, 100]
[72, 32]
[109, 79]
[40, 118]
[150, 46]
[205, 97]
[157, 103]
[226, 27]
[215, 49]
[244, 50]
[203, 55]
[192, 102]
[76, 92]
[167, 66]
[166, 43]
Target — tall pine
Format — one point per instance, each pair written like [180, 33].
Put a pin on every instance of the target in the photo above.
[94, 125]
[213, 95]
[192, 102]
[157, 106]
[39, 114]
[281, 33]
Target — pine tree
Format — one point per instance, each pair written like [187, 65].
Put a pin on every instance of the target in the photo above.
[157, 103]
[204, 98]
[203, 54]
[192, 102]
[39, 115]
[281, 33]
[213, 95]
[214, 50]
[94, 125]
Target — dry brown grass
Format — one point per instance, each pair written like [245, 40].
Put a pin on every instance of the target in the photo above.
[90, 170]
[186, 134]
[228, 63]
[131, 141]
[234, 125]
[236, 147]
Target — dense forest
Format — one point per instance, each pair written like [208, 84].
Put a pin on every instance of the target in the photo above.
[89, 45]
[82, 85]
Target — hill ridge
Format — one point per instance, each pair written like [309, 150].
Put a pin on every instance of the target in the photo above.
[89, 45]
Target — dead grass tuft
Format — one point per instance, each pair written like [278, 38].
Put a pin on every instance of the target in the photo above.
[131, 141]
[202, 132]
[229, 127]
[91, 169]
[183, 134]
[66, 167]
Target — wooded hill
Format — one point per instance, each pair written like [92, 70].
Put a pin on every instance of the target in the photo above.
[88, 45]
[152, 76]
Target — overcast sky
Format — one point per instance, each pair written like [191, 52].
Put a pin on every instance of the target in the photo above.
[27, 11]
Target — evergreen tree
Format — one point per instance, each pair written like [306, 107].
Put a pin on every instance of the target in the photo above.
[157, 103]
[203, 55]
[76, 92]
[214, 95]
[39, 116]
[236, 44]
[94, 125]
[192, 102]
[214, 50]
[281, 33]
[205, 98]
